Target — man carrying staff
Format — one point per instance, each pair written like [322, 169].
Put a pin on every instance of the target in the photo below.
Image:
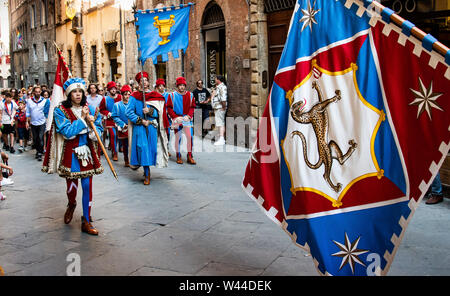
[146, 112]
[72, 149]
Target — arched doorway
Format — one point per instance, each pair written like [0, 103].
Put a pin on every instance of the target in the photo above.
[78, 65]
[213, 28]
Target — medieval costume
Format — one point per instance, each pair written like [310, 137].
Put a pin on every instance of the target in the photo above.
[121, 120]
[148, 122]
[160, 86]
[72, 150]
[180, 106]
[106, 107]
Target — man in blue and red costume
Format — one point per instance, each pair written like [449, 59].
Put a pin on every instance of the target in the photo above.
[72, 149]
[181, 106]
[148, 118]
[120, 118]
[106, 108]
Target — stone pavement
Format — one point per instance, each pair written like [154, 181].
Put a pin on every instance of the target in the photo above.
[191, 220]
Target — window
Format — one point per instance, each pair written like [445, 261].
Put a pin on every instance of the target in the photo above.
[34, 52]
[45, 52]
[43, 12]
[93, 76]
[33, 16]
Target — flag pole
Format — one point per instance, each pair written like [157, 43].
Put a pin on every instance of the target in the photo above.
[140, 62]
[415, 31]
[91, 124]
[62, 57]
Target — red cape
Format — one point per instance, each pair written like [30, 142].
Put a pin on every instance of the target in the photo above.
[153, 96]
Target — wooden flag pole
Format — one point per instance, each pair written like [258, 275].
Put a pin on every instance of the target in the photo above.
[416, 32]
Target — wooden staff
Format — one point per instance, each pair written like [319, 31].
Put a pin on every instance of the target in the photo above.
[99, 141]
[416, 32]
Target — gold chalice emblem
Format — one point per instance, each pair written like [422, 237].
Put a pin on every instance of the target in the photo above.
[164, 28]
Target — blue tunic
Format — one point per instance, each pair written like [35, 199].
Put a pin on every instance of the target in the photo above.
[119, 114]
[144, 139]
[71, 130]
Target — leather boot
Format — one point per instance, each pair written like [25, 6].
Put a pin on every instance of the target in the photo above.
[115, 157]
[87, 227]
[179, 160]
[190, 160]
[434, 199]
[147, 180]
[127, 163]
[69, 212]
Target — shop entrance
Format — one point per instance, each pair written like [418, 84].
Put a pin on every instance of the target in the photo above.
[213, 28]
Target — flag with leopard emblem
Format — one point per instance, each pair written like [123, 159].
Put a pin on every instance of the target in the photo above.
[354, 131]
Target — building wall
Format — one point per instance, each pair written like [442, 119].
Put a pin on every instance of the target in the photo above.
[19, 20]
[100, 28]
[33, 63]
[237, 42]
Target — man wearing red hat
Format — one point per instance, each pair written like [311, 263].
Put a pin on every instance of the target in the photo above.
[180, 106]
[106, 107]
[146, 112]
[121, 120]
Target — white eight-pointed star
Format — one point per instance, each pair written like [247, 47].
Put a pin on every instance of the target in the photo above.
[425, 99]
[308, 16]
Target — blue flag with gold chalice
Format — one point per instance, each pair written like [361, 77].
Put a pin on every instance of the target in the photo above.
[162, 31]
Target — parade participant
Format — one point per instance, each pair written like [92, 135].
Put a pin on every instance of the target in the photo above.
[106, 107]
[180, 106]
[160, 86]
[37, 113]
[120, 118]
[72, 136]
[149, 120]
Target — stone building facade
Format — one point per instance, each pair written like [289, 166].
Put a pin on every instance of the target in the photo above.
[32, 32]
[93, 41]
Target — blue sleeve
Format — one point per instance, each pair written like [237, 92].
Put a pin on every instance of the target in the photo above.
[65, 127]
[116, 115]
[46, 108]
[130, 110]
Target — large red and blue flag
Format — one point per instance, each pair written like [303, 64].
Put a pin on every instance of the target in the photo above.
[355, 129]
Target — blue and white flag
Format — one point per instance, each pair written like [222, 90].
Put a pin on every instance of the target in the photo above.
[161, 32]
[354, 132]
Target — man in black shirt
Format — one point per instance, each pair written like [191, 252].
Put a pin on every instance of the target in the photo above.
[202, 101]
